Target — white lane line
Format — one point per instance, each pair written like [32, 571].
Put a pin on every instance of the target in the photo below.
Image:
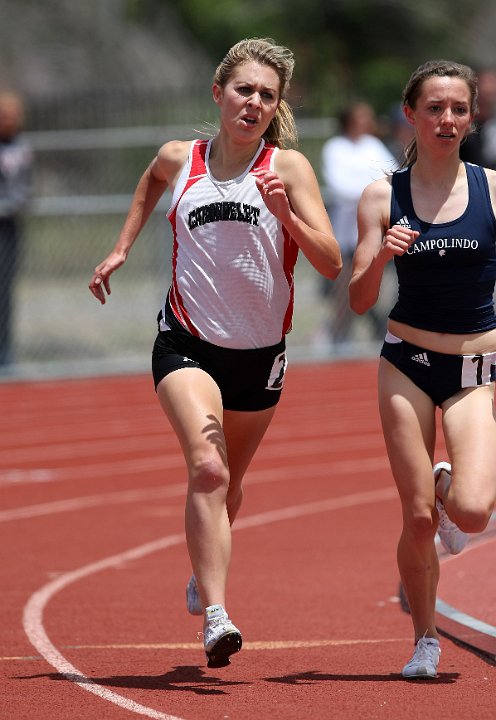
[34, 609]
[254, 645]
[17, 476]
[264, 645]
[345, 467]
[91, 501]
[80, 468]
[34, 628]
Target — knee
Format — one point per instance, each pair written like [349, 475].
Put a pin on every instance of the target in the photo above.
[208, 475]
[472, 517]
[420, 526]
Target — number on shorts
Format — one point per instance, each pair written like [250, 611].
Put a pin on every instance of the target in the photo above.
[478, 370]
[276, 377]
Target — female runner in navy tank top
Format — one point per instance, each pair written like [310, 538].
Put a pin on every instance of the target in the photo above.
[435, 219]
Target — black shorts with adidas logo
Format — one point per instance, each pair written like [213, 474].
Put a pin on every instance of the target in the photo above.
[437, 374]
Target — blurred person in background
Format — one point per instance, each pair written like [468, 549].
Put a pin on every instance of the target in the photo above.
[480, 146]
[398, 132]
[435, 219]
[350, 160]
[243, 205]
[16, 164]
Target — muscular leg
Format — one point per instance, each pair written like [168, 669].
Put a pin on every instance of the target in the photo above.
[217, 447]
[408, 420]
[243, 432]
[470, 431]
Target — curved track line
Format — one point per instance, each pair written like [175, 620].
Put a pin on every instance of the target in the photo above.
[34, 628]
[34, 609]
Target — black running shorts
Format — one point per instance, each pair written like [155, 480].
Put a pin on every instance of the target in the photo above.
[248, 379]
[439, 375]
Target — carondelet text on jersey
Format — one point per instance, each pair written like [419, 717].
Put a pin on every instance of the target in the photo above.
[219, 211]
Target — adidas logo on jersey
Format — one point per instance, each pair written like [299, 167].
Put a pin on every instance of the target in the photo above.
[404, 222]
[421, 358]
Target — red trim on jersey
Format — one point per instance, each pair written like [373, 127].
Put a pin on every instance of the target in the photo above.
[263, 160]
[198, 166]
[291, 249]
[197, 171]
[175, 298]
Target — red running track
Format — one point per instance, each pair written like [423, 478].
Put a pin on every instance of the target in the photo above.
[94, 565]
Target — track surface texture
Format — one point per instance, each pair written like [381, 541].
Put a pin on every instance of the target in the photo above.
[94, 565]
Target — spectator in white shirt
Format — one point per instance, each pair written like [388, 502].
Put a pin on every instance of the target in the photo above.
[351, 160]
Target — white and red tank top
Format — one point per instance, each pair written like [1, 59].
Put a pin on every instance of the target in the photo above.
[232, 261]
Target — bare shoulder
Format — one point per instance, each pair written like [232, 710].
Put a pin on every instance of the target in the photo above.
[290, 160]
[294, 168]
[175, 150]
[170, 159]
[374, 208]
[378, 190]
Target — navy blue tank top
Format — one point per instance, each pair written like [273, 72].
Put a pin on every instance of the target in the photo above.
[446, 279]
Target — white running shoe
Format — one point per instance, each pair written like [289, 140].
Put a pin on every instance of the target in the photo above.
[424, 661]
[193, 602]
[452, 538]
[220, 637]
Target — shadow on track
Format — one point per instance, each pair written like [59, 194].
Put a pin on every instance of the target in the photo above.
[189, 678]
[312, 676]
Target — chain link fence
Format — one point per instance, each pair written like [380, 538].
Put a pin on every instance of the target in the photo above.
[84, 179]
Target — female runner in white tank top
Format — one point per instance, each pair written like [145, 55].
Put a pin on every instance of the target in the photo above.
[242, 208]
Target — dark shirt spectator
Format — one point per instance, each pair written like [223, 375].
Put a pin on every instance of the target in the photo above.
[15, 191]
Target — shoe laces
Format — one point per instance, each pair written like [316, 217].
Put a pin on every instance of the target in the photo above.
[426, 650]
[446, 524]
[444, 519]
[213, 622]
